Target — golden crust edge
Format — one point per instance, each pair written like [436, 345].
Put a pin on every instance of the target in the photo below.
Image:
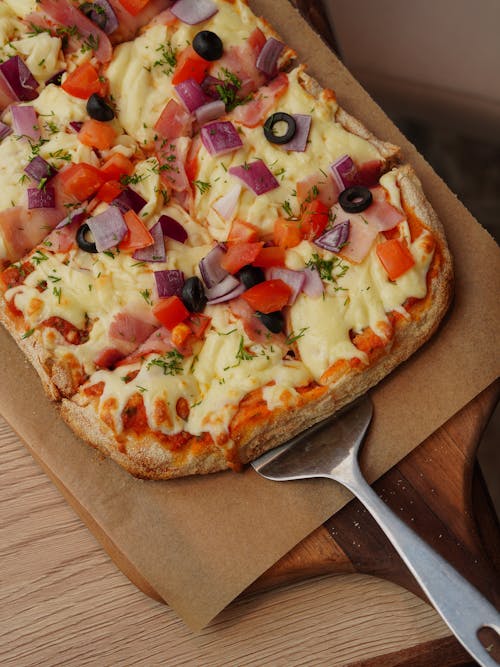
[33, 350]
[389, 152]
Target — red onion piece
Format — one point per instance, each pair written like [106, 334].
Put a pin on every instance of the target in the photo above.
[129, 199]
[20, 79]
[76, 215]
[194, 11]
[75, 126]
[239, 289]
[173, 229]
[108, 228]
[39, 169]
[191, 94]
[313, 285]
[25, 122]
[104, 18]
[169, 283]
[256, 176]
[41, 198]
[155, 252]
[56, 78]
[298, 142]
[267, 60]
[210, 111]
[294, 279]
[226, 205]
[334, 238]
[5, 130]
[220, 137]
[344, 172]
[210, 267]
[225, 286]
[209, 86]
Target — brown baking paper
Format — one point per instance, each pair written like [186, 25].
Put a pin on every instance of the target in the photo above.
[198, 542]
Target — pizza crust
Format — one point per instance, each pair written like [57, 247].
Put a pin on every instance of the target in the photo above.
[389, 152]
[34, 351]
[152, 461]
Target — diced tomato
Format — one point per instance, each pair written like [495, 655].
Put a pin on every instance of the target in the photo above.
[242, 232]
[109, 191]
[81, 180]
[117, 166]
[240, 255]
[198, 324]
[268, 296]
[314, 219]
[271, 256]
[170, 312]
[256, 41]
[96, 134]
[83, 82]
[190, 66]
[137, 235]
[395, 257]
[133, 6]
[180, 334]
[286, 233]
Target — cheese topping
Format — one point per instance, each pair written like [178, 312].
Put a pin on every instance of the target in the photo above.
[140, 73]
[328, 140]
[89, 291]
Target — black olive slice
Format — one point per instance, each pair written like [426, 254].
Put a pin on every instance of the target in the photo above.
[99, 109]
[208, 45]
[81, 239]
[274, 321]
[355, 199]
[251, 275]
[193, 295]
[280, 117]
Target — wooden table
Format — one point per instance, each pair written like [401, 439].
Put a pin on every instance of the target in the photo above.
[64, 602]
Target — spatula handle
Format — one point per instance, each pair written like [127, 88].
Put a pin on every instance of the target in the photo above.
[461, 606]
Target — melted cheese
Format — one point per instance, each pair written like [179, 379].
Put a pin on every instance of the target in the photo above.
[328, 140]
[141, 78]
[92, 287]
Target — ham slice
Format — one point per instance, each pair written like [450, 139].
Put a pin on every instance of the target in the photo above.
[241, 61]
[361, 236]
[22, 229]
[66, 14]
[159, 342]
[381, 213]
[129, 332]
[328, 190]
[172, 155]
[254, 113]
[174, 121]
[253, 327]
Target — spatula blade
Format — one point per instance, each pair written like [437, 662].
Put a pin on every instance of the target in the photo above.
[317, 451]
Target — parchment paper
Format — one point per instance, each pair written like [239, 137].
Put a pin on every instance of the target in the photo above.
[199, 542]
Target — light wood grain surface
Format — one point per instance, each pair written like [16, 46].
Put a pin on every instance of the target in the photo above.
[62, 601]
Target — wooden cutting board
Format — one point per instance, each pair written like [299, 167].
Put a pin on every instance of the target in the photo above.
[437, 490]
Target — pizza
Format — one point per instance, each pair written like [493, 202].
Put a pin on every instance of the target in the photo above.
[202, 252]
